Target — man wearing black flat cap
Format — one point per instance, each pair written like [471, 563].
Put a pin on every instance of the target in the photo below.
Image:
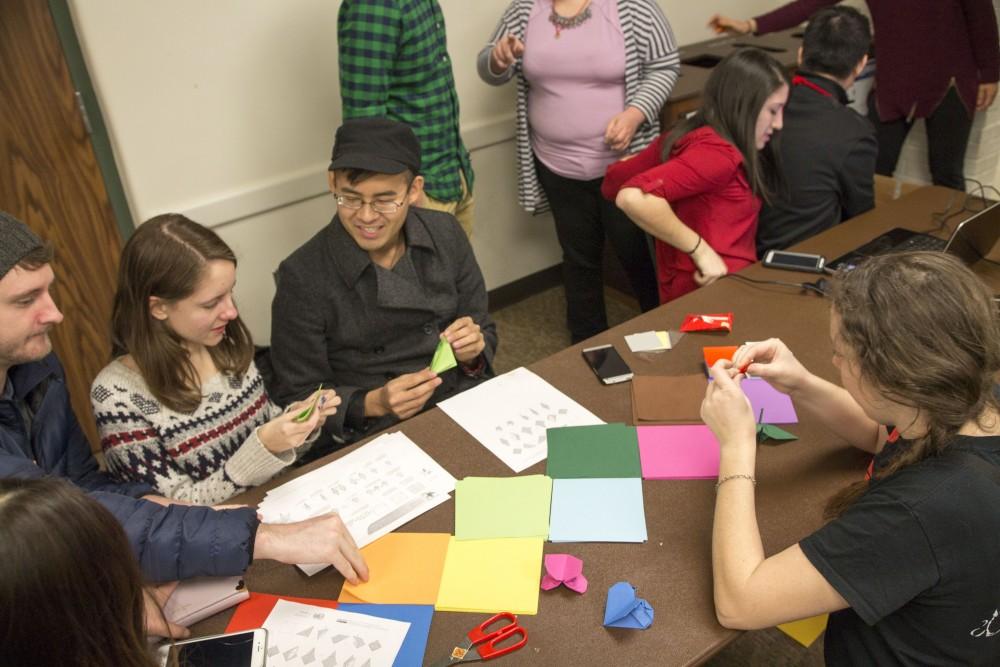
[362, 305]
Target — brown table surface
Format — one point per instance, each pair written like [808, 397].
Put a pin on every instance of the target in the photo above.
[783, 45]
[673, 568]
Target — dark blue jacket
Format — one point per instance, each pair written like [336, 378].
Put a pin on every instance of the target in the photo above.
[175, 542]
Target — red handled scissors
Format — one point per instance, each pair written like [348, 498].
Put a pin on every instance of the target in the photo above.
[481, 643]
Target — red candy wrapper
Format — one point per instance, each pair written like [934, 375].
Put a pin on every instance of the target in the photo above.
[709, 322]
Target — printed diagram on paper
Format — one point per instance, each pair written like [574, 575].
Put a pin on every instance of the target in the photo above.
[510, 414]
[300, 635]
[375, 489]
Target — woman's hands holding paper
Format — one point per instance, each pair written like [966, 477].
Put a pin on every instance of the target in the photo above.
[726, 409]
[773, 361]
[466, 339]
[287, 432]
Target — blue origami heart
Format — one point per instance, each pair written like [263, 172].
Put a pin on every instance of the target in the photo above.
[625, 610]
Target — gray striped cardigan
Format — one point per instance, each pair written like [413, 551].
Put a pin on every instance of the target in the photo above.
[652, 65]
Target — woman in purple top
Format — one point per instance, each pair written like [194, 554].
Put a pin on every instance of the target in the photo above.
[937, 59]
[592, 76]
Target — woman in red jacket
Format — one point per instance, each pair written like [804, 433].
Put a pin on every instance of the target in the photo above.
[698, 189]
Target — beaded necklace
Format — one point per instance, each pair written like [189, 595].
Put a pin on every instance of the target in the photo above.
[566, 22]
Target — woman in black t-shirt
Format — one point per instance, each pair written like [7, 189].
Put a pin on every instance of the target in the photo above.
[909, 564]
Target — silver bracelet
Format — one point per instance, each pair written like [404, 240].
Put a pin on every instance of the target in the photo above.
[729, 477]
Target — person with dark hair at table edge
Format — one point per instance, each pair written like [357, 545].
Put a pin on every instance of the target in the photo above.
[827, 149]
[935, 59]
[72, 592]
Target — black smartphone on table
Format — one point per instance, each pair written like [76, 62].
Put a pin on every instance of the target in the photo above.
[608, 364]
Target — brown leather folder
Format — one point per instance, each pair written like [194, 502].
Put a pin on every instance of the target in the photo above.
[667, 399]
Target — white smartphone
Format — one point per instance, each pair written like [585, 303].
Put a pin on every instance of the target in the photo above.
[795, 261]
[237, 649]
[607, 364]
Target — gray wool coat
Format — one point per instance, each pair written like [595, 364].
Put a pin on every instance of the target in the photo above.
[341, 320]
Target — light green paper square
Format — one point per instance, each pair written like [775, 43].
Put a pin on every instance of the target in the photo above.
[444, 357]
[501, 507]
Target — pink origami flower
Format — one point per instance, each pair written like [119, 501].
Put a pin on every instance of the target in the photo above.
[564, 569]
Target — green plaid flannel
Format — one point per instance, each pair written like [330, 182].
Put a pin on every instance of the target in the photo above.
[394, 62]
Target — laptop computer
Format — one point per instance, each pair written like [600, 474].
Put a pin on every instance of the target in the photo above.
[971, 241]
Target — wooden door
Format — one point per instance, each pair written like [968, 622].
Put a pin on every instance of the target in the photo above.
[49, 178]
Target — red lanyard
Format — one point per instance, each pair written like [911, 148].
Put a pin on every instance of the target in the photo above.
[802, 81]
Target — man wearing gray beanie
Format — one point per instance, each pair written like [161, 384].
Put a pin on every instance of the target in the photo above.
[40, 436]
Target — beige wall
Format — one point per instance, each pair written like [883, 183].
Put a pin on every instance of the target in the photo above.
[225, 111]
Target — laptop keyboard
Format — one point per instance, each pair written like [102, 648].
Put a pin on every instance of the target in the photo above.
[921, 243]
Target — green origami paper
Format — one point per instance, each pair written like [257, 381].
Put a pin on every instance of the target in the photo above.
[444, 357]
[771, 432]
[307, 413]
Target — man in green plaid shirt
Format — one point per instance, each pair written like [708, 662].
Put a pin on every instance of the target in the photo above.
[394, 63]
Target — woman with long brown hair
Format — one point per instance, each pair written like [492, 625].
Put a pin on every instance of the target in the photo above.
[70, 588]
[909, 562]
[698, 188]
[182, 407]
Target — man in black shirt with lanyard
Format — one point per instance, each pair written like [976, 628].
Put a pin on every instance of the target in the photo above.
[828, 150]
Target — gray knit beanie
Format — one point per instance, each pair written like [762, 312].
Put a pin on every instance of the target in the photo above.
[16, 241]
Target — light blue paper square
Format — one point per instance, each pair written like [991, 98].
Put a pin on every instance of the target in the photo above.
[597, 510]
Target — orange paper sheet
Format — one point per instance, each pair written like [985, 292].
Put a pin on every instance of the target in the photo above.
[713, 354]
[405, 568]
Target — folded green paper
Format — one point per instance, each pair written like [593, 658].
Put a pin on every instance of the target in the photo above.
[444, 357]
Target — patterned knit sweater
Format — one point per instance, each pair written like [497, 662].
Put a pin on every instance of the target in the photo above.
[205, 456]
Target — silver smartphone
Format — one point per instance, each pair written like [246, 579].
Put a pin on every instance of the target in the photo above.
[795, 261]
[607, 364]
[237, 649]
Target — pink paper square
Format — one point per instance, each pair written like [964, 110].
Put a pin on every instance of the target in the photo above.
[681, 451]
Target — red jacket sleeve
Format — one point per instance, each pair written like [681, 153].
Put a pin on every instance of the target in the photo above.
[624, 170]
[701, 167]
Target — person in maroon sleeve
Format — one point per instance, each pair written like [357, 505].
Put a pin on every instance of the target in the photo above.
[938, 60]
[698, 189]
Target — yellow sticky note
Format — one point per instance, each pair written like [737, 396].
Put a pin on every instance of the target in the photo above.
[487, 576]
[664, 339]
[405, 569]
[807, 630]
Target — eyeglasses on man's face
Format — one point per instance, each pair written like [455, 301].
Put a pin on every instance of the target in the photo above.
[356, 203]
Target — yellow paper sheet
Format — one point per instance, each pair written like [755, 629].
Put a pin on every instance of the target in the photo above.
[405, 568]
[487, 576]
[664, 338]
[807, 630]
